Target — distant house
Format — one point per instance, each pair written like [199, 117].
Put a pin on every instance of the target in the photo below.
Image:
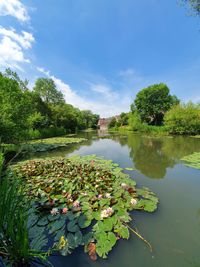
[103, 122]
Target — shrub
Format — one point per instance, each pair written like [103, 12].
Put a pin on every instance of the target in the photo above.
[183, 119]
[46, 133]
[134, 122]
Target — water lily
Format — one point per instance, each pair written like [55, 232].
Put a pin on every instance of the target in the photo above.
[100, 196]
[124, 186]
[106, 213]
[64, 210]
[107, 195]
[76, 204]
[54, 211]
[133, 201]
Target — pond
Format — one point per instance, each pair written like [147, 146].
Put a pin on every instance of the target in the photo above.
[174, 229]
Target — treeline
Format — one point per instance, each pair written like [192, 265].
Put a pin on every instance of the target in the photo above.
[156, 110]
[42, 112]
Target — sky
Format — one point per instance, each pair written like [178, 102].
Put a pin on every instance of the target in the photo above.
[100, 53]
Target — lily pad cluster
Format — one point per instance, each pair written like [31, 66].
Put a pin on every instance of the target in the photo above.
[192, 160]
[83, 201]
[47, 144]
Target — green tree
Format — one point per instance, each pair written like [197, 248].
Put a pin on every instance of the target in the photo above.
[124, 118]
[90, 120]
[152, 102]
[48, 92]
[195, 6]
[112, 123]
[14, 110]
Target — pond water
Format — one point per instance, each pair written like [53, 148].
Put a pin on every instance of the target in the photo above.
[174, 229]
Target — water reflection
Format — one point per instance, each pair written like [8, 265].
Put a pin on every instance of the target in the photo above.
[153, 155]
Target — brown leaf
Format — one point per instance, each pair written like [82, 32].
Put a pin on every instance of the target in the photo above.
[92, 251]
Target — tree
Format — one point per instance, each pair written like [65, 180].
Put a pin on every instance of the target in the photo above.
[112, 123]
[152, 102]
[14, 76]
[195, 6]
[90, 120]
[14, 110]
[124, 118]
[48, 92]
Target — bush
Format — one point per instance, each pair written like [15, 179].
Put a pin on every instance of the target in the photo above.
[46, 133]
[134, 122]
[183, 119]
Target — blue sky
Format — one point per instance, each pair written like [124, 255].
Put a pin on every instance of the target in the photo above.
[100, 53]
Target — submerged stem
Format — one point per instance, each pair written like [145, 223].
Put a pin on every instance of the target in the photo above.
[142, 238]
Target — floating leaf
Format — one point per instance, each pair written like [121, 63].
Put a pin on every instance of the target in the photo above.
[72, 226]
[83, 221]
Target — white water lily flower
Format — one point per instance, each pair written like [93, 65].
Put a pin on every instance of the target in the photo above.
[84, 194]
[106, 213]
[133, 201]
[76, 204]
[107, 195]
[124, 186]
[54, 211]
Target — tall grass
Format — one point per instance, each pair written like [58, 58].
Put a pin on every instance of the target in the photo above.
[15, 246]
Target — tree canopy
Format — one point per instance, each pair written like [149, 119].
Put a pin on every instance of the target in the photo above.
[47, 90]
[152, 102]
[195, 6]
[43, 112]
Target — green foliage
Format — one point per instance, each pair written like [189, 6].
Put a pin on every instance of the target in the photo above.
[113, 123]
[46, 132]
[192, 160]
[13, 111]
[83, 201]
[183, 119]
[194, 5]
[39, 113]
[134, 122]
[124, 117]
[152, 103]
[48, 92]
[16, 246]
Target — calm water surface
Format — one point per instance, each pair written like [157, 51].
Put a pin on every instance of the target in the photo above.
[174, 229]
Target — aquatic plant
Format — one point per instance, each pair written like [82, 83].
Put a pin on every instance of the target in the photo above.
[192, 160]
[50, 143]
[84, 201]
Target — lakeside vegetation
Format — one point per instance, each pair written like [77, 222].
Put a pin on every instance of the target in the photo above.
[155, 111]
[38, 113]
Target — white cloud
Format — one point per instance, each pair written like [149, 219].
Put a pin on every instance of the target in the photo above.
[105, 109]
[105, 91]
[14, 8]
[12, 46]
[24, 40]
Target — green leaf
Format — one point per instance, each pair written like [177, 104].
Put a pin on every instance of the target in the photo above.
[87, 238]
[83, 221]
[72, 226]
[122, 231]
